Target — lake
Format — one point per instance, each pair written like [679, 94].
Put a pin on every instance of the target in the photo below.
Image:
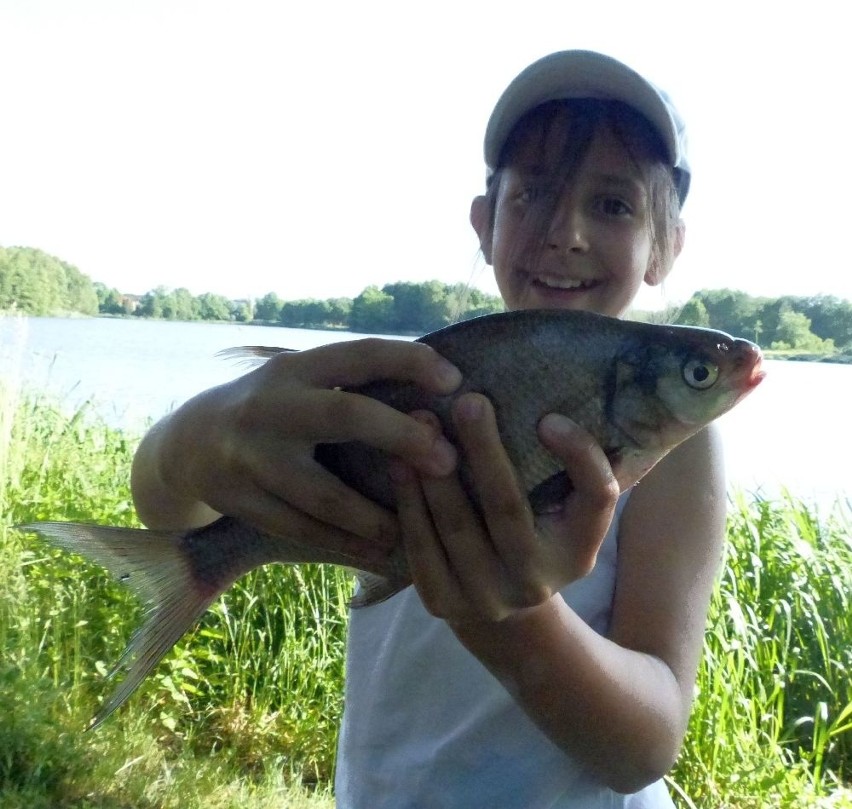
[792, 433]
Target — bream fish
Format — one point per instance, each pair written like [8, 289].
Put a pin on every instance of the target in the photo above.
[639, 389]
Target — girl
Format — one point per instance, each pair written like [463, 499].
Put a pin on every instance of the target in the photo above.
[539, 663]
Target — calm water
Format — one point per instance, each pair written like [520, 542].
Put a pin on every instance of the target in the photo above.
[792, 432]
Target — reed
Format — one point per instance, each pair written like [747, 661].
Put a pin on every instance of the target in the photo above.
[252, 696]
[244, 712]
[772, 723]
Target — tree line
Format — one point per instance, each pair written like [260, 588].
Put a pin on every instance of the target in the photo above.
[819, 324]
[35, 283]
[398, 308]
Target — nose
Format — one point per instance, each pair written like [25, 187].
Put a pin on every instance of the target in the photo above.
[568, 229]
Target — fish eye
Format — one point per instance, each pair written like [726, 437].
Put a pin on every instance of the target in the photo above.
[700, 374]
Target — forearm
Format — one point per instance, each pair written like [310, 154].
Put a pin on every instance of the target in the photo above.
[159, 503]
[619, 712]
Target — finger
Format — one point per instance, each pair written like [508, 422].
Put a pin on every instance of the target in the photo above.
[504, 504]
[302, 385]
[465, 540]
[331, 416]
[427, 560]
[361, 361]
[589, 508]
[586, 464]
[325, 497]
[466, 543]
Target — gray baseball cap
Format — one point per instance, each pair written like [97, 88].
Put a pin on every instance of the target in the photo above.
[587, 74]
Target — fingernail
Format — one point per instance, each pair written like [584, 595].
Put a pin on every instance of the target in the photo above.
[449, 376]
[443, 458]
[557, 425]
[428, 418]
[470, 408]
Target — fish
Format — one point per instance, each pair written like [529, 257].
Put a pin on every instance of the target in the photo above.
[640, 389]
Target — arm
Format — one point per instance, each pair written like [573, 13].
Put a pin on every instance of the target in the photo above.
[246, 448]
[618, 704]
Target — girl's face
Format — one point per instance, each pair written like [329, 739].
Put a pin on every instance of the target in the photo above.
[597, 247]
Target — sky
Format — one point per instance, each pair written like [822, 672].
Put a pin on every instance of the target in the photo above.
[313, 149]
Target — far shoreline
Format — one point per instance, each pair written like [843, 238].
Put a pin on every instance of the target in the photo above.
[837, 358]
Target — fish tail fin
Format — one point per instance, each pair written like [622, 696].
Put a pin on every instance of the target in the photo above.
[374, 589]
[155, 565]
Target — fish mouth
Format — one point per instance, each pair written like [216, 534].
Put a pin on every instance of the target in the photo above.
[752, 357]
[748, 372]
[757, 376]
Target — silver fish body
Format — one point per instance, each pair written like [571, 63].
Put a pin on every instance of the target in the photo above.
[625, 382]
[639, 389]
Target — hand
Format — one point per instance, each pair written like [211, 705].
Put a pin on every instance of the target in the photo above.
[472, 566]
[246, 448]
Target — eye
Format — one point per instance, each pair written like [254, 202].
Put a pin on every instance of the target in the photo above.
[700, 374]
[613, 206]
[531, 193]
[527, 194]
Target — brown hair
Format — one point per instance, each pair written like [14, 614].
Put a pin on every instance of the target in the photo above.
[586, 117]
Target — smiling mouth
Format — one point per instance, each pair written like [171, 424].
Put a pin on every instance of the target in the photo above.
[558, 282]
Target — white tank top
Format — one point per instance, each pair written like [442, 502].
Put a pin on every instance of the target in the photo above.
[426, 726]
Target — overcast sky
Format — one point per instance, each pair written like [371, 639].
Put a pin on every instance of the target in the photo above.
[314, 148]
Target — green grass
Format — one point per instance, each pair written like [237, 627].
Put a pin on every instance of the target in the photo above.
[244, 712]
[772, 723]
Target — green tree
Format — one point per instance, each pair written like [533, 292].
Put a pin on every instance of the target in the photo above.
[694, 313]
[80, 295]
[110, 301]
[312, 313]
[213, 307]
[268, 308]
[464, 302]
[241, 311]
[33, 282]
[419, 307]
[730, 310]
[372, 311]
[794, 332]
[18, 283]
[831, 318]
[339, 310]
[155, 303]
[179, 305]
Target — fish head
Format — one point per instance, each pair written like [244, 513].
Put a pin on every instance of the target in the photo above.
[667, 388]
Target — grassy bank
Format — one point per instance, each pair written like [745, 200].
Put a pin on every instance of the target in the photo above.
[772, 723]
[244, 712]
